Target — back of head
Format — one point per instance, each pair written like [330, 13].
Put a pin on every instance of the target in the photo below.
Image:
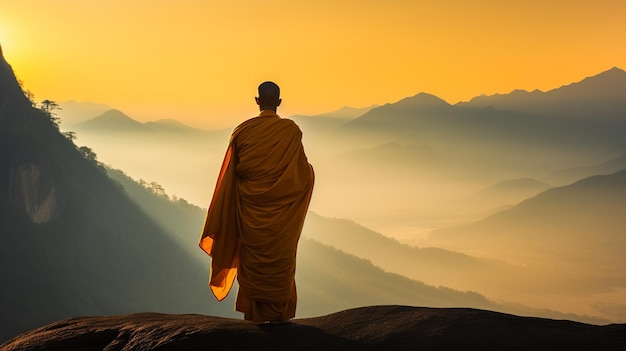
[269, 95]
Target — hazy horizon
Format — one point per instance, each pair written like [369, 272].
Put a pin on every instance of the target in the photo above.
[512, 199]
[446, 169]
[200, 62]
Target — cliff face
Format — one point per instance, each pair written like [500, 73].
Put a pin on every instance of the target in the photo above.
[33, 190]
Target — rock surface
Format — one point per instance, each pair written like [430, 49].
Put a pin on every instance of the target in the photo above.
[376, 327]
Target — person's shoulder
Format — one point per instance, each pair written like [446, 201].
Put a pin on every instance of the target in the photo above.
[264, 122]
[287, 121]
[248, 123]
[290, 124]
[250, 120]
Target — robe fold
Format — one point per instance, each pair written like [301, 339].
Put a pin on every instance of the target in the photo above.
[256, 215]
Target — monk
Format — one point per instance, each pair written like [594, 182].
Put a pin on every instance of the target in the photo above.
[256, 215]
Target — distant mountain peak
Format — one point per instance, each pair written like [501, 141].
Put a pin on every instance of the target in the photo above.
[422, 100]
[114, 110]
[613, 70]
[429, 97]
[112, 119]
[114, 114]
[73, 112]
[609, 77]
[519, 91]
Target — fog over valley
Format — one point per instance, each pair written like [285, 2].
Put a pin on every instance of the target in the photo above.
[487, 195]
[419, 162]
[511, 202]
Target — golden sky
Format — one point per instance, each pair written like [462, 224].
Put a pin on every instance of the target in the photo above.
[200, 61]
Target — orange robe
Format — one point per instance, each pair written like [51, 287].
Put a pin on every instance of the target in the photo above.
[256, 215]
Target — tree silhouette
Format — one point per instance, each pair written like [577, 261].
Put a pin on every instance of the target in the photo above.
[48, 107]
[154, 187]
[157, 189]
[71, 136]
[88, 153]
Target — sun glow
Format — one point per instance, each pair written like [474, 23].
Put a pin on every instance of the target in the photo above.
[425, 181]
[200, 62]
[4, 35]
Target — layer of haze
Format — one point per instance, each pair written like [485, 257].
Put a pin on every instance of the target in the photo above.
[200, 61]
[485, 191]
[424, 168]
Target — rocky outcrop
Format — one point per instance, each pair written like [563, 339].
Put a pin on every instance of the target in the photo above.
[34, 192]
[376, 327]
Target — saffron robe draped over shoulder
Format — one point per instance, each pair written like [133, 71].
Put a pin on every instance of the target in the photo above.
[256, 215]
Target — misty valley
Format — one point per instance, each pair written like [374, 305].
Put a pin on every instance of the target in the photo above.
[513, 203]
[480, 196]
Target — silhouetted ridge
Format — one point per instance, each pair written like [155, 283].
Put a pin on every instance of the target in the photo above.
[520, 183]
[12, 97]
[115, 116]
[570, 175]
[404, 114]
[606, 85]
[75, 244]
[615, 74]
[599, 189]
[595, 97]
[113, 120]
[422, 101]
[585, 217]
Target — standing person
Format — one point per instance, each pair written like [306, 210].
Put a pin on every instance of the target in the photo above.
[256, 215]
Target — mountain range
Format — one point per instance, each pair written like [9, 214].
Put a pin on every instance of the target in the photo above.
[601, 96]
[82, 238]
[73, 112]
[76, 242]
[330, 279]
[116, 122]
[571, 237]
[483, 141]
[433, 158]
[566, 241]
[589, 113]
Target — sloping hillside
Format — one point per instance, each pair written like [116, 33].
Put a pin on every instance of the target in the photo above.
[76, 244]
[572, 236]
[328, 279]
[73, 242]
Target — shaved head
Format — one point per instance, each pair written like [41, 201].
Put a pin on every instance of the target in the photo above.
[269, 96]
[269, 90]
